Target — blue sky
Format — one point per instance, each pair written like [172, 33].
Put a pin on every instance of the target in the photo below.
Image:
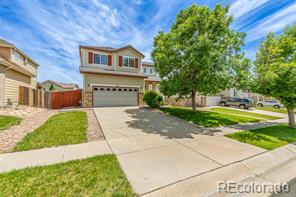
[51, 31]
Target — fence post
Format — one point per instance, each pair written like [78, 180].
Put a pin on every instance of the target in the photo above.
[21, 92]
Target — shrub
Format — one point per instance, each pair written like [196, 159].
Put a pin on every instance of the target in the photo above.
[152, 99]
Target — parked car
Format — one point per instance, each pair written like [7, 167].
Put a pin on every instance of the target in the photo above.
[270, 103]
[238, 102]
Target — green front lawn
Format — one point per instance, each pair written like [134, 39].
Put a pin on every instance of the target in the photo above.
[243, 113]
[96, 176]
[281, 110]
[207, 119]
[60, 129]
[268, 138]
[8, 121]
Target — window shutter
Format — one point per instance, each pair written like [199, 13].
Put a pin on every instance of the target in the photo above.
[90, 57]
[120, 60]
[110, 60]
[136, 63]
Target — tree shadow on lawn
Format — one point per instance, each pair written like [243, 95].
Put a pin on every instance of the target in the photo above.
[155, 122]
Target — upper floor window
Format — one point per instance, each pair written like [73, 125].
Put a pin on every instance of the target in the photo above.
[100, 59]
[151, 71]
[144, 70]
[17, 56]
[128, 62]
[104, 59]
[97, 58]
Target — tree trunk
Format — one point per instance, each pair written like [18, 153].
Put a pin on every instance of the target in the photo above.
[193, 93]
[291, 118]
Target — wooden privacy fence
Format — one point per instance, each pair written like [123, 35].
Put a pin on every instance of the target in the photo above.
[200, 101]
[51, 100]
[66, 99]
[33, 98]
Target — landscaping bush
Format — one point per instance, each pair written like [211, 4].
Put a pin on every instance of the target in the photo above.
[152, 99]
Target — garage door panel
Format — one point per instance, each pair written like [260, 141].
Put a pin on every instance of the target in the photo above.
[103, 97]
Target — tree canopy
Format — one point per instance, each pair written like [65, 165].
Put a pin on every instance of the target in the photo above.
[200, 53]
[275, 69]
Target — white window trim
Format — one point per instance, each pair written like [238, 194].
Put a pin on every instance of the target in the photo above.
[100, 59]
[128, 61]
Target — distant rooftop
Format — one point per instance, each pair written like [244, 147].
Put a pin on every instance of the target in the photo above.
[63, 85]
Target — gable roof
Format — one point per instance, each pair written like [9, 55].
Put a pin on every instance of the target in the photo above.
[4, 43]
[63, 85]
[111, 49]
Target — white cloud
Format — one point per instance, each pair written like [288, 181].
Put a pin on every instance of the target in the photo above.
[138, 2]
[273, 23]
[54, 32]
[242, 7]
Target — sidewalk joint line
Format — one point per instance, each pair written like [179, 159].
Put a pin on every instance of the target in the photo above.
[147, 149]
[119, 133]
[63, 154]
[200, 154]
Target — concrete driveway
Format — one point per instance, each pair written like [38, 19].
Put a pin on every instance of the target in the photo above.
[156, 150]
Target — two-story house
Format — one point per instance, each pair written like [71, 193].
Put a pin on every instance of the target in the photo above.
[16, 69]
[112, 76]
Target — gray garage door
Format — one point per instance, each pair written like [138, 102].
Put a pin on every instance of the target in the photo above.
[111, 96]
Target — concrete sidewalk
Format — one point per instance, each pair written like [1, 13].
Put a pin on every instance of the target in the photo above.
[47, 156]
[273, 167]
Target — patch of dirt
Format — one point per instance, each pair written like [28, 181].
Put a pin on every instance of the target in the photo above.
[94, 131]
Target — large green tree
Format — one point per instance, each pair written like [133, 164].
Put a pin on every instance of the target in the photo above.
[200, 53]
[275, 69]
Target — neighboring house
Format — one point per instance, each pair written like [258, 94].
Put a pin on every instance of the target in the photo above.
[112, 76]
[152, 82]
[16, 69]
[232, 92]
[55, 86]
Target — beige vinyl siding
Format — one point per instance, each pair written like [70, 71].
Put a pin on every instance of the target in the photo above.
[29, 66]
[5, 52]
[2, 85]
[12, 82]
[153, 85]
[101, 79]
[128, 53]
